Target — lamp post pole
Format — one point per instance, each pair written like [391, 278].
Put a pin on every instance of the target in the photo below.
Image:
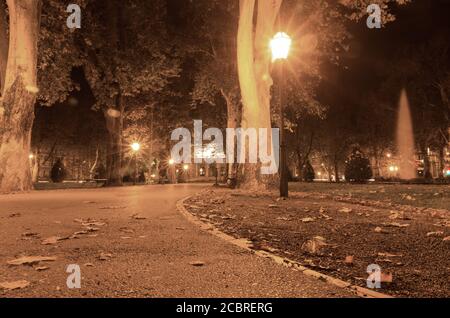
[135, 168]
[280, 45]
[284, 186]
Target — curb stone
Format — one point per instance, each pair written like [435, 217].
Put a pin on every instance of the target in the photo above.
[245, 244]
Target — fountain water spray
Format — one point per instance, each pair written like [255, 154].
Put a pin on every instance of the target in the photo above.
[405, 140]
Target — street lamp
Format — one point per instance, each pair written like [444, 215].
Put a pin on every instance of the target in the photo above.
[135, 146]
[280, 46]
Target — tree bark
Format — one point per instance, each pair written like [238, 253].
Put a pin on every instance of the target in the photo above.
[232, 122]
[17, 109]
[4, 45]
[336, 170]
[114, 126]
[254, 77]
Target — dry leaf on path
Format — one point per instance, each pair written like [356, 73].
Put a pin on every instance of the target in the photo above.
[20, 284]
[197, 263]
[30, 260]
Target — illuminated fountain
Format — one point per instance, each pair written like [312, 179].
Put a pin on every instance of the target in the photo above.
[405, 140]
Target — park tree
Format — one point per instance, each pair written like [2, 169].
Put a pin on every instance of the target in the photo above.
[19, 90]
[256, 26]
[127, 53]
[35, 54]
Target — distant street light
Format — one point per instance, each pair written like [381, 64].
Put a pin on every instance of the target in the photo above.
[171, 161]
[280, 46]
[135, 147]
[31, 156]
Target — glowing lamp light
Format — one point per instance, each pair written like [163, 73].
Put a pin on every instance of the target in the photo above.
[171, 161]
[31, 156]
[280, 46]
[135, 146]
[448, 173]
[389, 155]
[186, 167]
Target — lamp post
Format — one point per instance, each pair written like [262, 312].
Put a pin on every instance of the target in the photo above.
[135, 147]
[280, 46]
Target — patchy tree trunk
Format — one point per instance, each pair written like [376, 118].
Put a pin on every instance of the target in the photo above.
[94, 165]
[441, 162]
[254, 78]
[232, 122]
[17, 108]
[114, 125]
[4, 45]
[336, 170]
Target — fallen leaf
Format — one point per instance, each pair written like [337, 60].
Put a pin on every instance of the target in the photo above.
[197, 263]
[30, 260]
[438, 233]
[104, 256]
[89, 265]
[41, 268]
[446, 239]
[307, 220]
[126, 230]
[345, 210]
[389, 255]
[112, 207]
[80, 233]
[395, 224]
[20, 284]
[386, 278]
[14, 215]
[379, 230]
[138, 217]
[314, 246]
[349, 260]
[51, 240]
[29, 234]
[89, 224]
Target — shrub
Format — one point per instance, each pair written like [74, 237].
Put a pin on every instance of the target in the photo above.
[358, 168]
[58, 172]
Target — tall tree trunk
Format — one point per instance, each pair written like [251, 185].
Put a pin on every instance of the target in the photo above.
[114, 125]
[4, 45]
[441, 162]
[336, 170]
[17, 109]
[254, 77]
[232, 122]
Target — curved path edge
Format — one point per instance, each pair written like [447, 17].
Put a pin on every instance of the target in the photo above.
[245, 244]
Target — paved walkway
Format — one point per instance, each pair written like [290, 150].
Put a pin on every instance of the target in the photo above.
[148, 255]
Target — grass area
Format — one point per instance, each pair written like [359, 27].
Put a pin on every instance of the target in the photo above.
[430, 196]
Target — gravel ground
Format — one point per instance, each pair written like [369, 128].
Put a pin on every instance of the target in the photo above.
[341, 236]
[133, 243]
